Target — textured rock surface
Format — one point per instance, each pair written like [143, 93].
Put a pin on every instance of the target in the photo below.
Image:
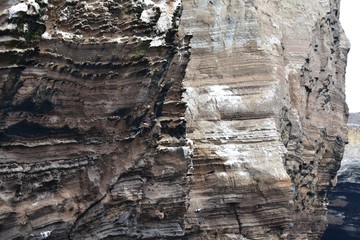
[266, 113]
[87, 135]
[169, 119]
[344, 208]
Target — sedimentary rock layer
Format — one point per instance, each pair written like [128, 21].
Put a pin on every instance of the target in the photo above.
[266, 112]
[92, 120]
[169, 119]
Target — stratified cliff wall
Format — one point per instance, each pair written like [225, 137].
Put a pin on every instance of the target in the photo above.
[169, 119]
[92, 122]
[266, 112]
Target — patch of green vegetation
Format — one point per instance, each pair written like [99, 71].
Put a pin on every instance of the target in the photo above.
[140, 50]
[34, 37]
[137, 56]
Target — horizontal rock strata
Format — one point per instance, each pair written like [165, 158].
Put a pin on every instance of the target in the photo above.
[92, 120]
[266, 112]
[169, 119]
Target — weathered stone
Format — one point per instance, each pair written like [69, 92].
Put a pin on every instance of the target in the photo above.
[267, 115]
[169, 119]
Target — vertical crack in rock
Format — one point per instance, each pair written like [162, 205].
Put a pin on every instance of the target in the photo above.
[85, 213]
[237, 217]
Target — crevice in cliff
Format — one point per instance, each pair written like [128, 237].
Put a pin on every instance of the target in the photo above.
[237, 217]
[285, 126]
[159, 103]
[82, 215]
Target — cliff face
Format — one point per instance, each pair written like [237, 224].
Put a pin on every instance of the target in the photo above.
[266, 113]
[343, 215]
[170, 119]
[92, 127]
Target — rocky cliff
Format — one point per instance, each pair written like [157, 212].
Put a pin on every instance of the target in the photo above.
[344, 211]
[169, 119]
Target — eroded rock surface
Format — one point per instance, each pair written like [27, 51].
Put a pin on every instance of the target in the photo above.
[169, 119]
[92, 120]
[266, 113]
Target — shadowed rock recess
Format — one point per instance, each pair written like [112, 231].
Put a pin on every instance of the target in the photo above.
[169, 119]
[344, 210]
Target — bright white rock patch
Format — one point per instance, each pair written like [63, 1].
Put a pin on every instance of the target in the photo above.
[165, 22]
[29, 7]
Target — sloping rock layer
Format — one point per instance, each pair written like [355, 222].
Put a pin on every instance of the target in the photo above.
[140, 119]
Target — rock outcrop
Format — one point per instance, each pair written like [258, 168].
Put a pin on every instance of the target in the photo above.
[344, 212]
[169, 119]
